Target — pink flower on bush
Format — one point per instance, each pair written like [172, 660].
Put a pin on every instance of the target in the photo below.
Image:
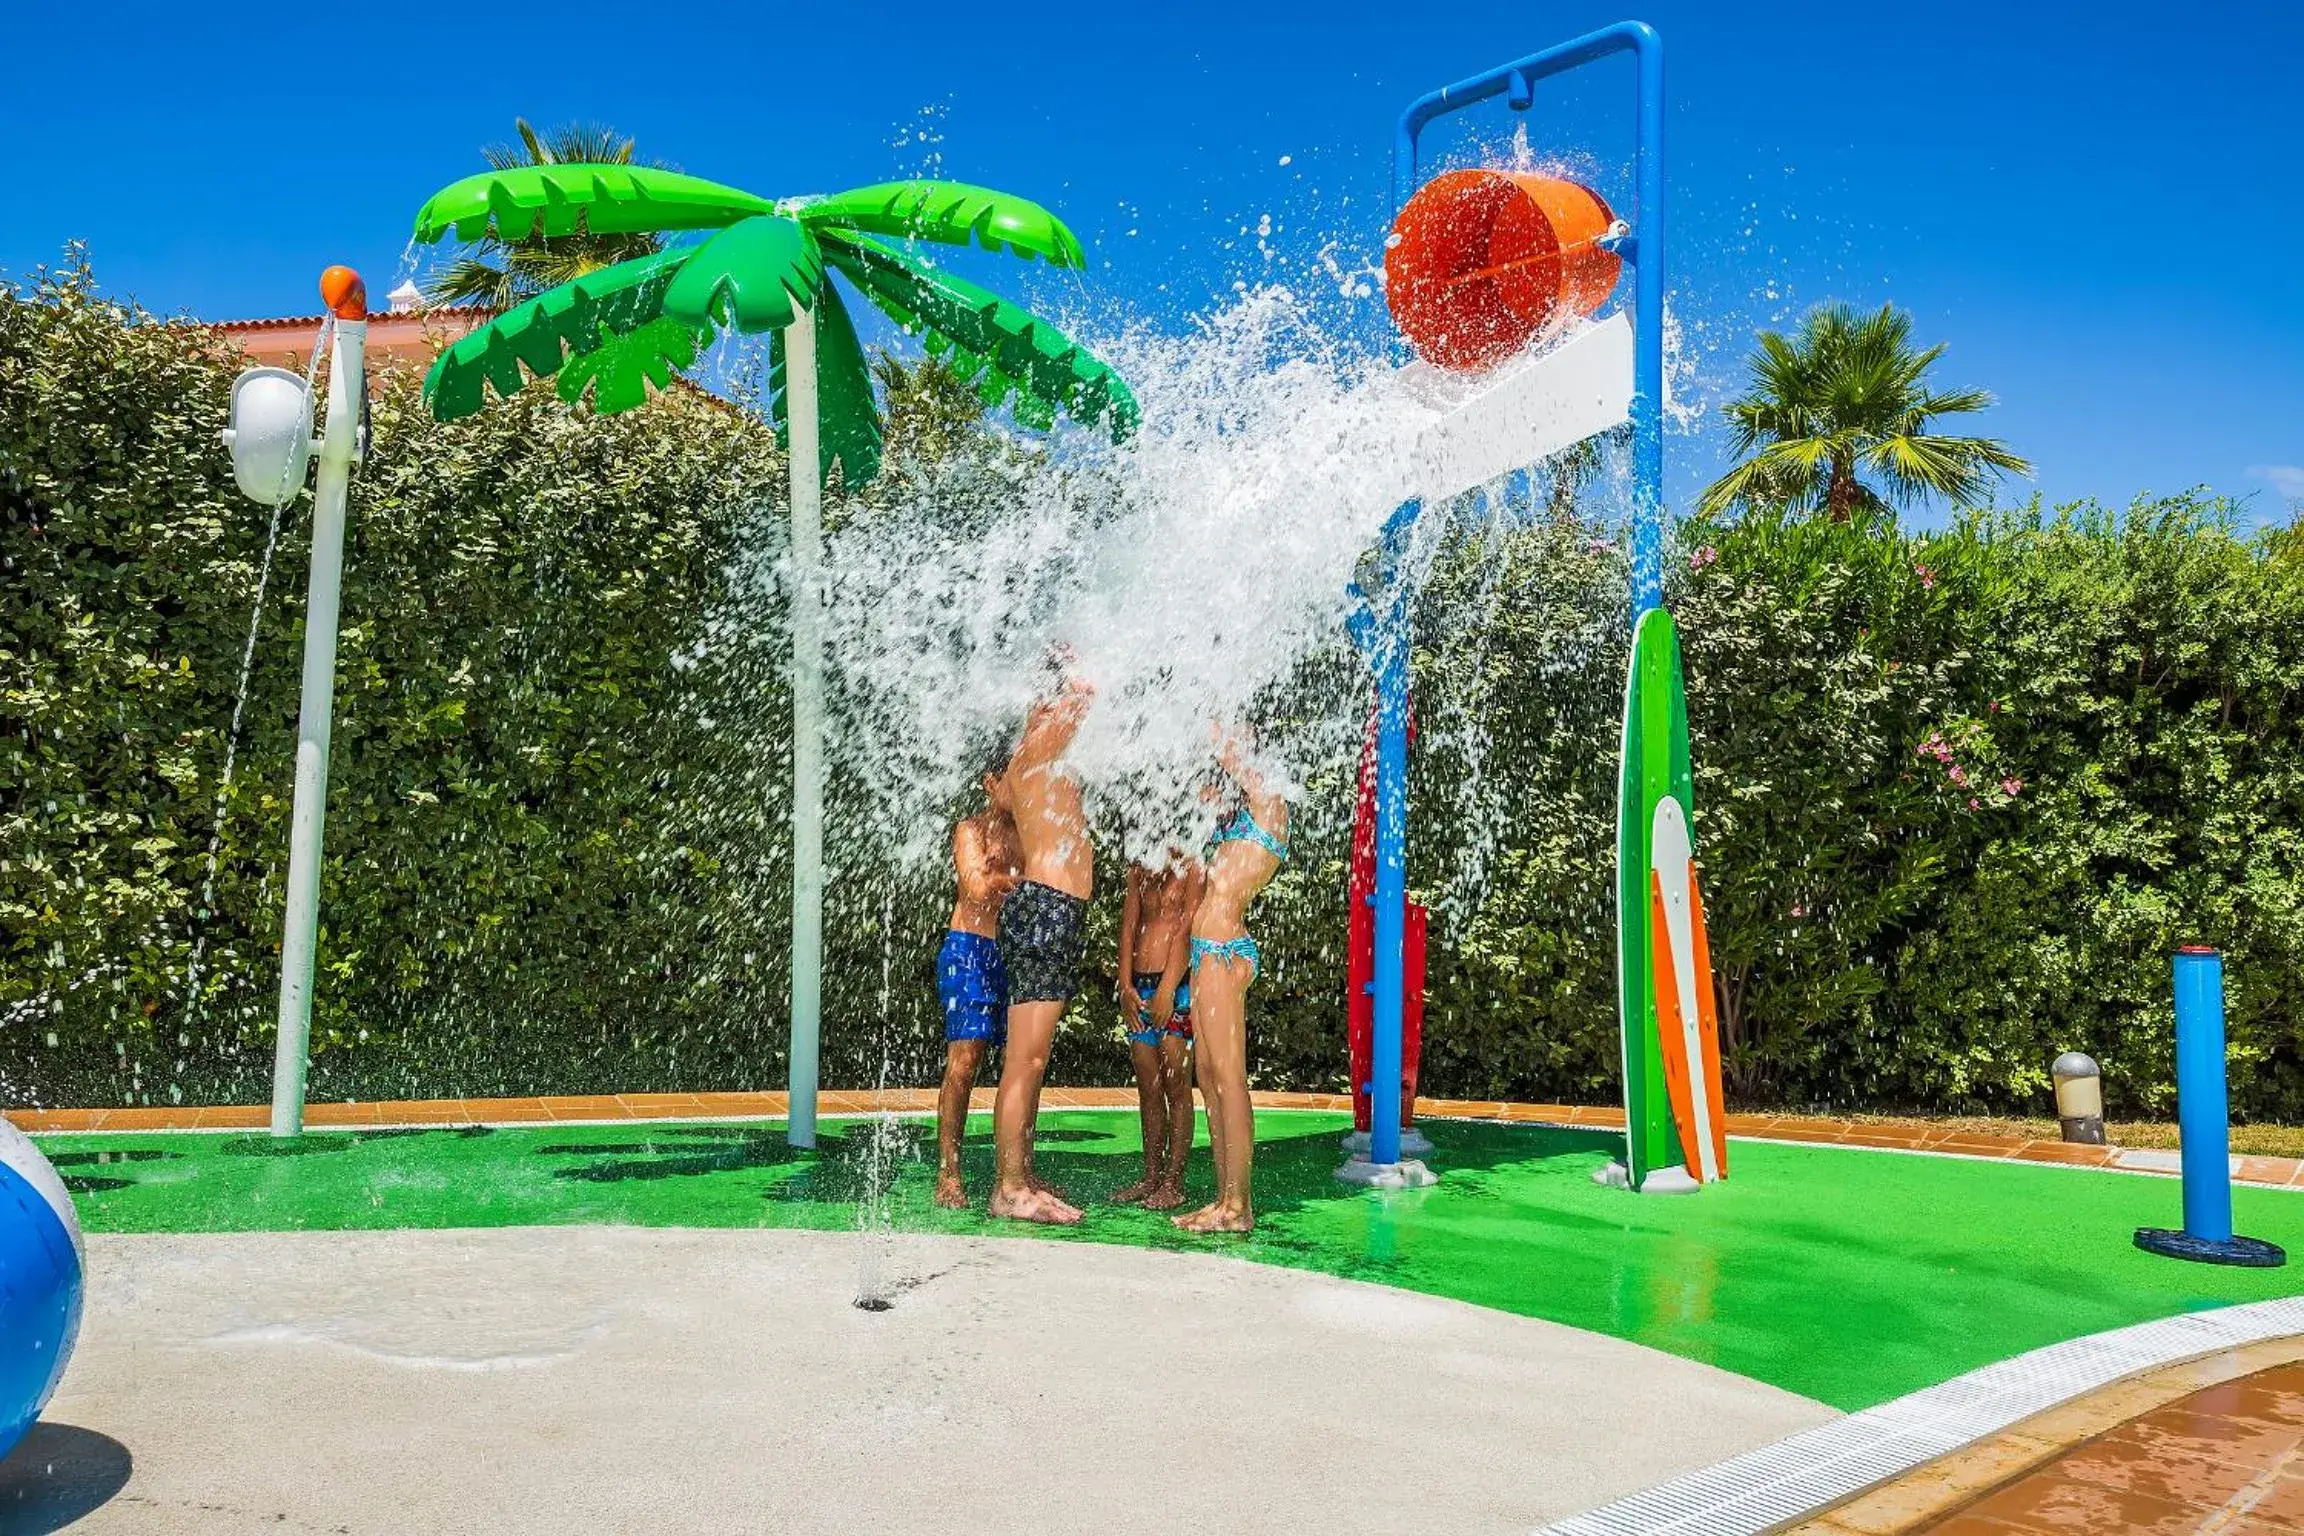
[2011, 787]
[1703, 557]
[1799, 910]
[1927, 576]
[1972, 802]
[1959, 774]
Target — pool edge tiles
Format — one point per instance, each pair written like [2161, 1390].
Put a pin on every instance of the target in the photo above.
[1809, 1472]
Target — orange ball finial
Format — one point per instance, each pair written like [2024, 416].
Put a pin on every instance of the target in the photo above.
[344, 293]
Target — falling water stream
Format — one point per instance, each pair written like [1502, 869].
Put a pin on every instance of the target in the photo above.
[886, 1149]
[1199, 575]
[289, 489]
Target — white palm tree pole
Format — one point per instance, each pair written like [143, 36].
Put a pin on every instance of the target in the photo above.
[300, 935]
[807, 727]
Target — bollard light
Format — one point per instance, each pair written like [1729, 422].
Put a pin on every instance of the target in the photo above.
[2079, 1098]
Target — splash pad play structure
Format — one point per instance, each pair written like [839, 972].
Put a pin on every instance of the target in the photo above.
[1482, 265]
[579, 1258]
[1496, 278]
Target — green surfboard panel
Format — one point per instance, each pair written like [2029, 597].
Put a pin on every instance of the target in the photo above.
[1655, 765]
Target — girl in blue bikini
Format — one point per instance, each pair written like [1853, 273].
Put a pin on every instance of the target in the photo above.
[1247, 851]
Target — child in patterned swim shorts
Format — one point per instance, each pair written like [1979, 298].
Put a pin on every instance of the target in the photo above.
[970, 980]
[1156, 1008]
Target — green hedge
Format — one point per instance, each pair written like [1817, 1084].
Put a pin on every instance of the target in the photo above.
[556, 841]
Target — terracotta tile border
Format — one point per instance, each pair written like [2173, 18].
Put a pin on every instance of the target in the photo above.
[2270, 1172]
[1940, 1488]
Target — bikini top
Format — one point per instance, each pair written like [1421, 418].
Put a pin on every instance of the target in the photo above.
[1242, 828]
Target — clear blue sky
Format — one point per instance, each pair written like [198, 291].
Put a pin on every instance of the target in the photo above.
[2102, 216]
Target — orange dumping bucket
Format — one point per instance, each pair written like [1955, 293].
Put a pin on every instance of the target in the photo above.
[1481, 262]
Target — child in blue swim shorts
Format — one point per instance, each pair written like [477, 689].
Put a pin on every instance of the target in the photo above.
[971, 981]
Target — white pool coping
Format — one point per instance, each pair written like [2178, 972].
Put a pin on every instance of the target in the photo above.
[1810, 1471]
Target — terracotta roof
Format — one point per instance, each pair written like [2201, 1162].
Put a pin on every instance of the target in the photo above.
[408, 338]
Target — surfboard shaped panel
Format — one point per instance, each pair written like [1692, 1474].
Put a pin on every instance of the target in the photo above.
[1654, 767]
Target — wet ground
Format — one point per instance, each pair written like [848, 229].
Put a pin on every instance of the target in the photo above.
[2228, 1458]
[1842, 1275]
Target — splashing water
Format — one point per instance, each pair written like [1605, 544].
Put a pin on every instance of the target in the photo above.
[1195, 573]
[884, 1152]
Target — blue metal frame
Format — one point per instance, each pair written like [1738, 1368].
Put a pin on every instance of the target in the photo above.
[1384, 640]
[2202, 1110]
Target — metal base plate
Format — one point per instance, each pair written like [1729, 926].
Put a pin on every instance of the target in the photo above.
[1672, 1180]
[2247, 1252]
[1413, 1143]
[1404, 1174]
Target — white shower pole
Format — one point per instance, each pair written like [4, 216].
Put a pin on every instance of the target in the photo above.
[807, 727]
[299, 939]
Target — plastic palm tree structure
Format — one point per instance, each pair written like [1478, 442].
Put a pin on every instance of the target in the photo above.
[764, 266]
[500, 274]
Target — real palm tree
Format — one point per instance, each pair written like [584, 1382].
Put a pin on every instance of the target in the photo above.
[498, 273]
[1848, 398]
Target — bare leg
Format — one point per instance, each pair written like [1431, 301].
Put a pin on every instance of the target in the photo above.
[962, 1058]
[1031, 1027]
[1176, 1083]
[1152, 1119]
[1220, 1025]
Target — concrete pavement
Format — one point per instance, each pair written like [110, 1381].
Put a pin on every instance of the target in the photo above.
[614, 1379]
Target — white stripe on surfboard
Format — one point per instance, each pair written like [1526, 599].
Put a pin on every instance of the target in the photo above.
[1669, 855]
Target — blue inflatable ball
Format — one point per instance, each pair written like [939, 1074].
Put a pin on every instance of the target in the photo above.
[40, 1270]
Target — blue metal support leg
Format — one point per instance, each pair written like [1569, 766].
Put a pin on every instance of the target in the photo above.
[2204, 1126]
[1391, 926]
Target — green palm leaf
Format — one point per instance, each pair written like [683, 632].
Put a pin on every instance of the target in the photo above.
[1006, 349]
[751, 276]
[534, 339]
[541, 201]
[847, 414]
[621, 370]
[950, 212]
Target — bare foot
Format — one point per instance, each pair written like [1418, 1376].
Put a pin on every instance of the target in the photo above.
[1216, 1216]
[1030, 1204]
[949, 1192]
[1132, 1193]
[1165, 1196]
[1033, 1181]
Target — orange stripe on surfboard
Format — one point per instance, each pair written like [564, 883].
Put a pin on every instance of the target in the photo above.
[1672, 1034]
[1708, 1023]
[1671, 1029]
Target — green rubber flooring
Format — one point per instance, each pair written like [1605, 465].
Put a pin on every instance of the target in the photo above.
[1845, 1275]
